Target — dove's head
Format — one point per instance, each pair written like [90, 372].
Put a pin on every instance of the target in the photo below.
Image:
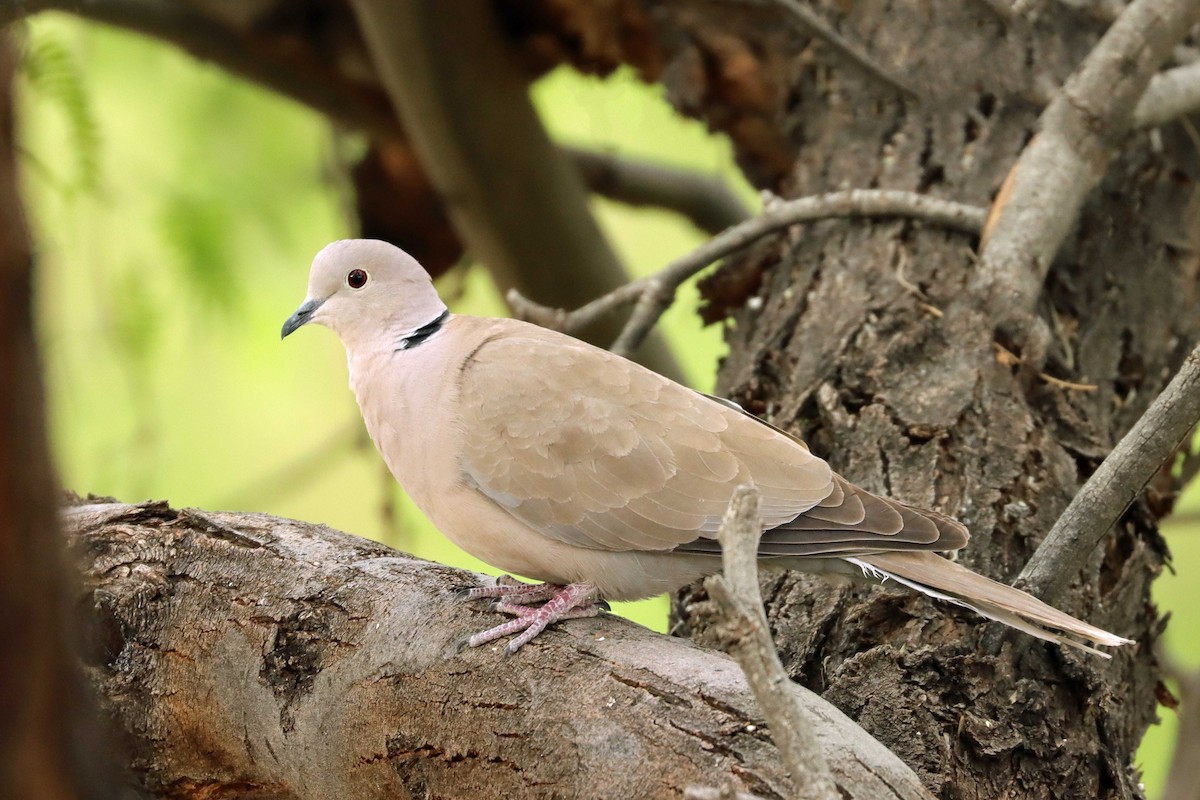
[365, 290]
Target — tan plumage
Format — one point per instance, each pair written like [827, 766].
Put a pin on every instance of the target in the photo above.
[547, 457]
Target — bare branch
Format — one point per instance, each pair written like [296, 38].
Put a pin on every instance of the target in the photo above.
[1113, 487]
[741, 629]
[1170, 95]
[1080, 130]
[654, 293]
[705, 200]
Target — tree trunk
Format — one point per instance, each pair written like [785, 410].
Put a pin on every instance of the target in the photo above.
[245, 656]
[51, 745]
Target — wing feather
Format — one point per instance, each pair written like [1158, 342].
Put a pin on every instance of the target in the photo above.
[599, 453]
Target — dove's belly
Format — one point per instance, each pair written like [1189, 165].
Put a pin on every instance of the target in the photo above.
[478, 526]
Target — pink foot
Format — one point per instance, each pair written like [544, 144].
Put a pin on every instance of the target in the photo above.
[562, 602]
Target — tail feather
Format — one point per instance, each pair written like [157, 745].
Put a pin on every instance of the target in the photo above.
[938, 577]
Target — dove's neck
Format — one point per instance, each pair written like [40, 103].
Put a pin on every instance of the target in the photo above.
[419, 336]
[366, 338]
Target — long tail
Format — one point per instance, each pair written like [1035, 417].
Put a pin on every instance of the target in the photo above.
[938, 577]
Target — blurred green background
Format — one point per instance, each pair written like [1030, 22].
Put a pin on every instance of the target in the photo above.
[175, 211]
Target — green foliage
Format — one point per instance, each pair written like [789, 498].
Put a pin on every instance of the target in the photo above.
[196, 230]
[51, 71]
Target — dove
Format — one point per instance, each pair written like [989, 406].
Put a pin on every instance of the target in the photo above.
[549, 458]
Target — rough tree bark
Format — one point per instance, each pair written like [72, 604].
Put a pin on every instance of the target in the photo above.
[251, 657]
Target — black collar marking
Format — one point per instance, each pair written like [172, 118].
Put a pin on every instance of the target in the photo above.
[424, 332]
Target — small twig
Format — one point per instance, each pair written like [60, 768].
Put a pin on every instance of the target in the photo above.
[1009, 357]
[1171, 94]
[826, 33]
[910, 287]
[741, 627]
[654, 293]
[704, 199]
[1113, 487]
[1080, 131]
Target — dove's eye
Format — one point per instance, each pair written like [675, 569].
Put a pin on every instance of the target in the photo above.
[356, 278]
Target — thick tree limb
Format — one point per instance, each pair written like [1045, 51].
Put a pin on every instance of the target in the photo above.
[515, 197]
[243, 653]
[1080, 131]
[741, 628]
[1115, 485]
[655, 293]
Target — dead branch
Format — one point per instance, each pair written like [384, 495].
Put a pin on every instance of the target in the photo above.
[1080, 132]
[1170, 95]
[245, 655]
[740, 627]
[654, 294]
[1115, 485]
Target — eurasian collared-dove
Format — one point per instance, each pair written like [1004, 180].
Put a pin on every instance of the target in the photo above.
[546, 457]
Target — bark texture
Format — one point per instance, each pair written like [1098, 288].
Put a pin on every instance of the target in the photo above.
[245, 656]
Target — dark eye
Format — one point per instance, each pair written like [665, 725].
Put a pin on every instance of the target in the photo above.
[357, 278]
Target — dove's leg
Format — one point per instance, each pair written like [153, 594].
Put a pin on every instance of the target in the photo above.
[565, 602]
[507, 588]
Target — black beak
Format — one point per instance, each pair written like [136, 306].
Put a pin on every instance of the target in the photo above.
[301, 317]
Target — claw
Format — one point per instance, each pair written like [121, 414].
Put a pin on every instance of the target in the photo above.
[562, 602]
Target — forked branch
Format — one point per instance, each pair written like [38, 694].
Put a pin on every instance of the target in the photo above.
[654, 293]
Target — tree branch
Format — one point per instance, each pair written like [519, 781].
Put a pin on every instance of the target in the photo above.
[654, 294]
[1080, 131]
[295, 73]
[1170, 95]
[857, 55]
[250, 656]
[740, 627]
[705, 200]
[1115, 485]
